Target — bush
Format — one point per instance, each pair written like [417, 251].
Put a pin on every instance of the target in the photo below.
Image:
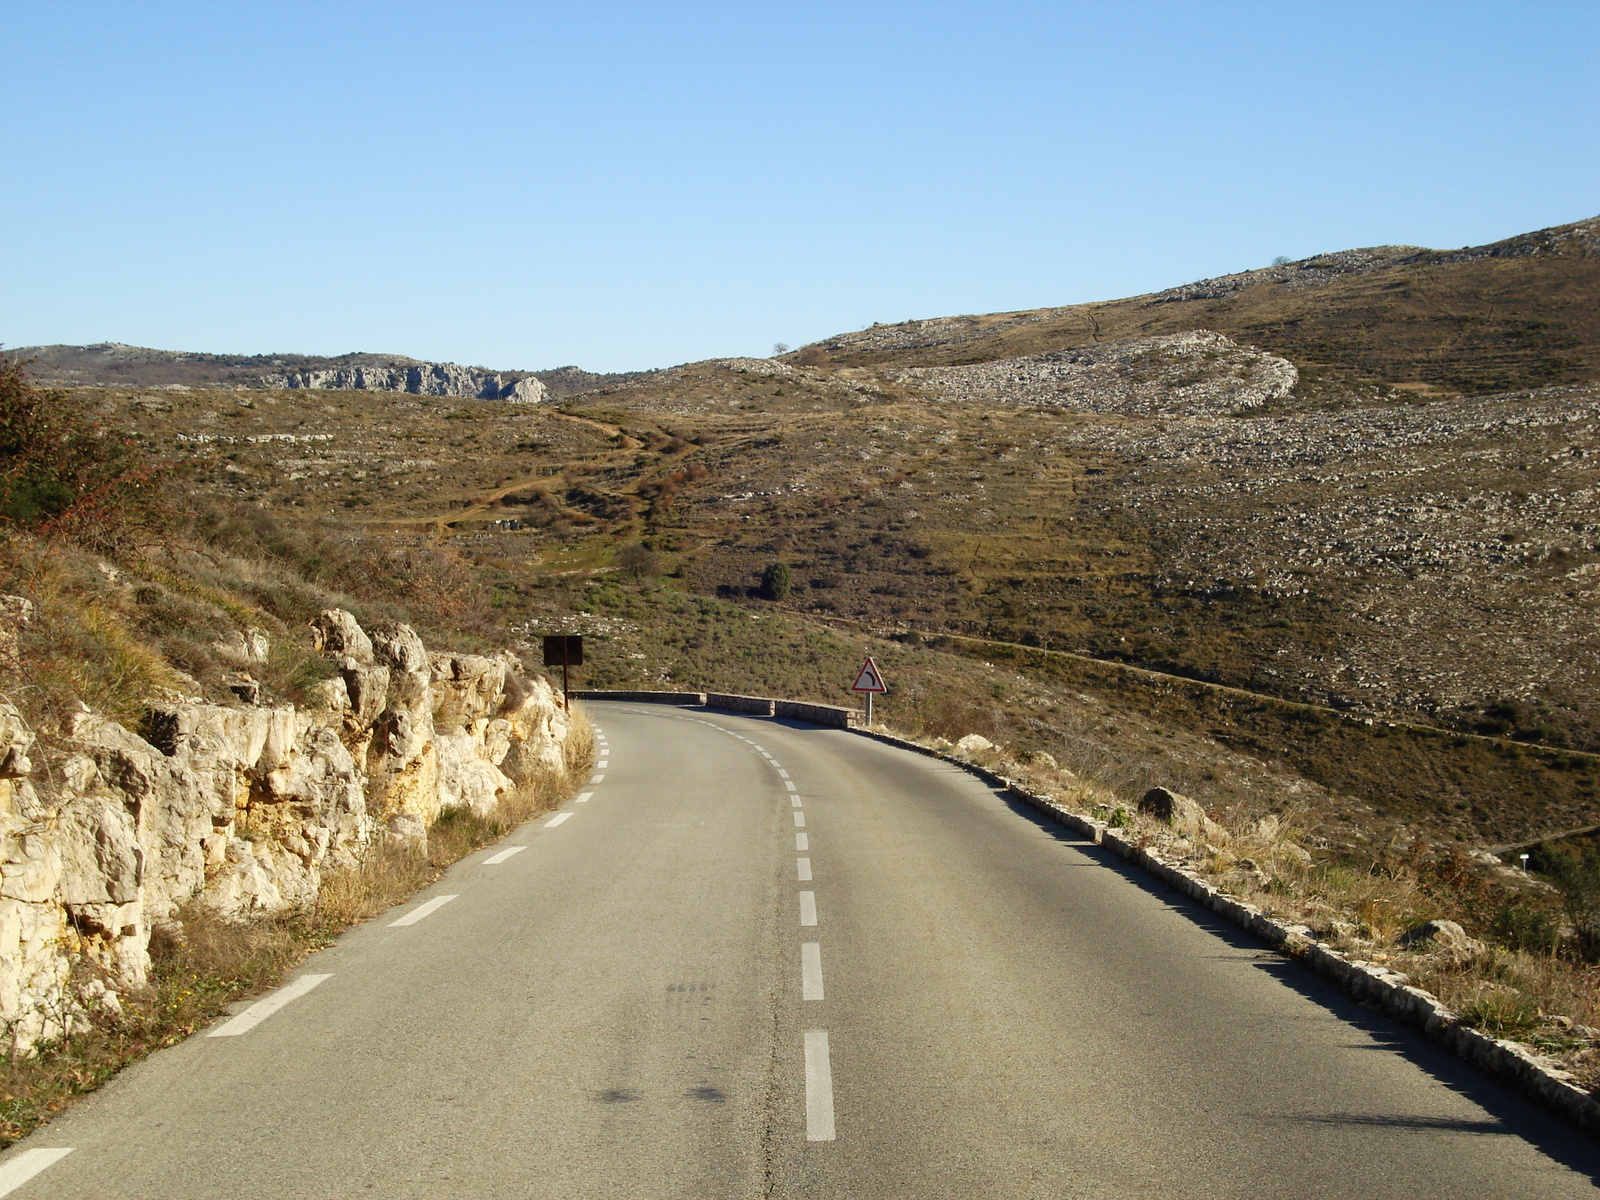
[60, 472]
[1527, 925]
[776, 581]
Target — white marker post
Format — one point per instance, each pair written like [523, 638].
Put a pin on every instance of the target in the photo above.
[869, 682]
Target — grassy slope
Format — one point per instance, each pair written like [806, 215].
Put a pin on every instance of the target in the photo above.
[1527, 316]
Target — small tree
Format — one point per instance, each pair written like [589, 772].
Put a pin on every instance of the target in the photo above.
[775, 581]
[638, 561]
[780, 348]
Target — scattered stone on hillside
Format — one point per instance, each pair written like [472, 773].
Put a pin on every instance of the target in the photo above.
[16, 613]
[1181, 373]
[1181, 813]
[1440, 935]
[1311, 272]
[975, 743]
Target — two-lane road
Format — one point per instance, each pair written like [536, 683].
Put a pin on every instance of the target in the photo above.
[760, 959]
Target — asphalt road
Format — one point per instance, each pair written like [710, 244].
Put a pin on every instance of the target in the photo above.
[757, 958]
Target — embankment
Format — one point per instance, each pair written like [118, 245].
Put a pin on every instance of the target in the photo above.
[241, 807]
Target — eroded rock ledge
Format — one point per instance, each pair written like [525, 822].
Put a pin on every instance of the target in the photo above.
[244, 807]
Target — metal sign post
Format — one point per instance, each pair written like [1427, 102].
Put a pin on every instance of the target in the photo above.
[869, 682]
[564, 650]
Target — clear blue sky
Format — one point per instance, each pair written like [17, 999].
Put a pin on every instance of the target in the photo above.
[623, 185]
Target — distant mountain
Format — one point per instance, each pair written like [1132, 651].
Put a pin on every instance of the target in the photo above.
[113, 364]
[1518, 313]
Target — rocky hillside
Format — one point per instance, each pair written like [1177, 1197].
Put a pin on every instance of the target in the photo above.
[1523, 312]
[1295, 482]
[111, 364]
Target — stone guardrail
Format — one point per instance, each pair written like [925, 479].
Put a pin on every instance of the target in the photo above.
[642, 697]
[831, 715]
[1510, 1061]
[761, 706]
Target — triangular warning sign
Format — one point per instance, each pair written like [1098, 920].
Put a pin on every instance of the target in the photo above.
[870, 679]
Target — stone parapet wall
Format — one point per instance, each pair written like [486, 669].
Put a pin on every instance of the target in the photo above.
[761, 706]
[831, 715]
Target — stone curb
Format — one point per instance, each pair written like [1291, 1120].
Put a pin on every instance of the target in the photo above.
[1511, 1062]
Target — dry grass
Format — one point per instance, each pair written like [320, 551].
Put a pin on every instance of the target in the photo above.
[206, 963]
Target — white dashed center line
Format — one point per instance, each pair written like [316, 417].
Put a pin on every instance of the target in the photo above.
[594, 779]
[495, 859]
[795, 801]
[422, 910]
[808, 908]
[802, 841]
[802, 869]
[819, 1087]
[604, 762]
[582, 797]
[782, 774]
[799, 820]
[26, 1165]
[789, 785]
[557, 819]
[811, 970]
[267, 1005]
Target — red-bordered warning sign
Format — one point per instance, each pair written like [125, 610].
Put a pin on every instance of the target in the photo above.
[870, 679]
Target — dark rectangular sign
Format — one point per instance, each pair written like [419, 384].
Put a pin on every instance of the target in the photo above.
[563, 650]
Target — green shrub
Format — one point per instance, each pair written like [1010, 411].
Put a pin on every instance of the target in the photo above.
[776, 581]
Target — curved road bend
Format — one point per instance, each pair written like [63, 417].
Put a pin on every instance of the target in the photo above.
[759, 959]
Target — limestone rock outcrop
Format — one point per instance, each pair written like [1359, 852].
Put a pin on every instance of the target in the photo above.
[242, 807]
[418, 379]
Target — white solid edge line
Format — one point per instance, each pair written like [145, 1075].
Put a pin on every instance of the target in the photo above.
[819, 1087]
[808, 908]
[557, 819]
[582, 797]
[802, 869]
[799, 820]
[26, 1165]
[423, 910]
[495, 859]
[266, 1006]
[802, 842]
[811, 970]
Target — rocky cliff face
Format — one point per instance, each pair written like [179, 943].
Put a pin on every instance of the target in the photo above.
[419, 379]
[243, 807]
